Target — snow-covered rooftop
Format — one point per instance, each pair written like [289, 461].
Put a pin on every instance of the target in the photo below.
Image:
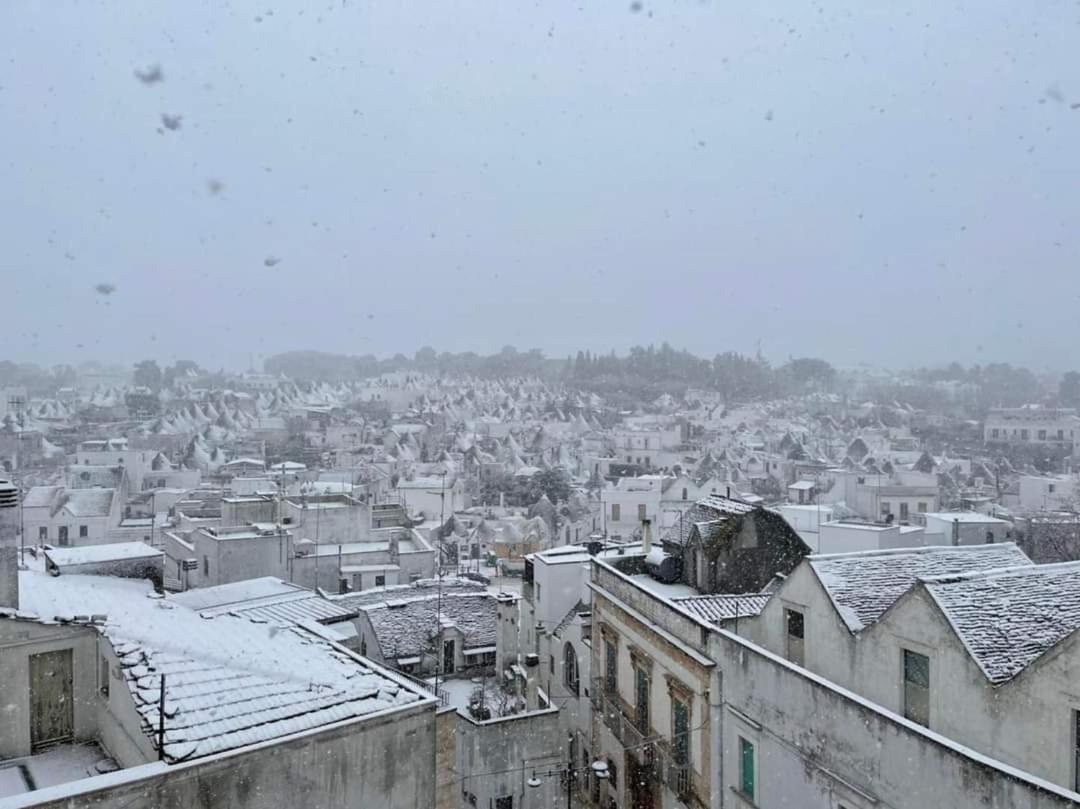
[1008, 618]
[406, 626]
[864, 584]
[112, 552]
[723, 607]
[229, 682]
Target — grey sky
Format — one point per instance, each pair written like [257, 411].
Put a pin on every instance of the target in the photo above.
[891, 183]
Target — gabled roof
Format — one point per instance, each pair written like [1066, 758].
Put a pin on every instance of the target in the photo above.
[407, 627]
[88, 502]
[863, 585]
[1009, 618]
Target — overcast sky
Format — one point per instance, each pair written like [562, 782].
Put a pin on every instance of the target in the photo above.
[892, 183]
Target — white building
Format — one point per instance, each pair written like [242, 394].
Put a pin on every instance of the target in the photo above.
[1046, 426]
[1048, 492]
[102, 708]
[630, 502]
[765, 732]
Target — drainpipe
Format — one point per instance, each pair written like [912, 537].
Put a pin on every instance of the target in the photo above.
[716, 739]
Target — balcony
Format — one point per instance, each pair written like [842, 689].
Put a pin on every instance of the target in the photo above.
[616, 717]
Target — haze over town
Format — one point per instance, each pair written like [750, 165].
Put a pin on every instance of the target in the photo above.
[866, 185]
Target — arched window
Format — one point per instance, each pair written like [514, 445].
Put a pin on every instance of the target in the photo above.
[570, 669]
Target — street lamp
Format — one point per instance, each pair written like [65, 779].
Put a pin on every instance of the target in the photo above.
[598, 768]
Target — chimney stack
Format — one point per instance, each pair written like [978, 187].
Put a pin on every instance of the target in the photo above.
[532, 668]
[9, 545]
[647, 534]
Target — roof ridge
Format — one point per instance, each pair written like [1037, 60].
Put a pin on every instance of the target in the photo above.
[996, 572]
[920, 549]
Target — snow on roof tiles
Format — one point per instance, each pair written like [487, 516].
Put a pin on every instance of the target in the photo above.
[406, 627]
[1009, 618]
[229, 682]
[723, 607]
[865, 584]
[88, 502]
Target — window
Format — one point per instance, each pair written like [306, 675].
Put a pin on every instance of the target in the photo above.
[1051, 488]
[641, 512]
[615, 512]
[63, 535]
[747, 780]
[917, 687]
[84, 531]
[570, 670]
[206, 565]
[1024, 435]
[505, 802]
[641, 699]
[611, 667]
[796, 629]
[886, 508]
[1042, 435]
[922, 507]
[1076, 751]
[380, 581]
[684, 493]
[903, 512]
[537, 590]
[994, 433]
[1061, 435]
[680, 731]
[43, 533]
[551, 664]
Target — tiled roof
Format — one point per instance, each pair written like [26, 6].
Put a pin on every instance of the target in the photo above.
[1009, 618]
[723, 607]
[40, 496]
[405, 628]
[712, 509]
[88, 502]
[229, 682]
[863, 585]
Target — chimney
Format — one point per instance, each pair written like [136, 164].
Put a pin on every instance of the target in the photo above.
[647, 534]
[532, 668]
[9, 545]
[507, 641]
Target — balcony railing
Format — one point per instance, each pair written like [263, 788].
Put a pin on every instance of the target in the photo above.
[623, 727]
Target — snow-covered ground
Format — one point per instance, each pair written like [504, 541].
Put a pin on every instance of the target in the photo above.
[460, 691]
[61, 765]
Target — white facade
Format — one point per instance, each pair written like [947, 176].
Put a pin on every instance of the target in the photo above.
[777, 735]
[1032, 425]
[1048, 492]
[630, 502]
[848, 536]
